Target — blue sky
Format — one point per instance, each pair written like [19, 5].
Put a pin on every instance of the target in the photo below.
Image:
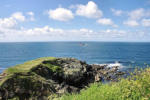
[74, 20]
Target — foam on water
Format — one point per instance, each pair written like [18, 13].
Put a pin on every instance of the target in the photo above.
[112, 64]
[115, 64]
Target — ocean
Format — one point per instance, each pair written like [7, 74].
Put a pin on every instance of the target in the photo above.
[128, 55]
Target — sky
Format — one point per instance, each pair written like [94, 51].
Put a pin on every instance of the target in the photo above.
[74, 20]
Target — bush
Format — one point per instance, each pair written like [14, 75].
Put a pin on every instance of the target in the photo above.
[135, 87]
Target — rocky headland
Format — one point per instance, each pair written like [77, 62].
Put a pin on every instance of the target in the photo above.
[48, 78]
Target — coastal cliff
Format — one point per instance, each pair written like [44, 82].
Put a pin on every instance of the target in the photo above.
[48, 77]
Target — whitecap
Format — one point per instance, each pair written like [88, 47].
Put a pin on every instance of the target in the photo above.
[115, 64]
[111, 64]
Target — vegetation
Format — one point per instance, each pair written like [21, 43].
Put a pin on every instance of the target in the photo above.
[26, 80]
[27, 66]
[53, 68]
[35, 78]
[136, 87]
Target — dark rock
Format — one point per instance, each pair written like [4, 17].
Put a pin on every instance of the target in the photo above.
[120, 73]
[25, 85]
[74, 71]
[58, 76]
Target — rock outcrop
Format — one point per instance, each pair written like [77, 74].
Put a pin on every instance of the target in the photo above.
[51, 77]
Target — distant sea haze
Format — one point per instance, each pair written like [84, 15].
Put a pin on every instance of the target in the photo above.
[128, 55]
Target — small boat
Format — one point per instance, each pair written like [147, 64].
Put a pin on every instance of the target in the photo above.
[82, 44]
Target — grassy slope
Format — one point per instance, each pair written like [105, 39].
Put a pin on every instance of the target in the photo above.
[32, 77]
[126, 89]
[27, 65]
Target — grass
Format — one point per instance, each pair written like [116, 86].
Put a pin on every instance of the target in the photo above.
[23, 76]
[54, 68]
[136, 87]
[27, 65]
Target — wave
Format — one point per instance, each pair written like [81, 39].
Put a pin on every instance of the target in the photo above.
[112, 64]
[115, 64]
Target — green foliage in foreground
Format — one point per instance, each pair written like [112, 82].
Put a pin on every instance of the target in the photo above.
[136, 87]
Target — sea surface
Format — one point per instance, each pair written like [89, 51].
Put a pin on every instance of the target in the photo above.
[128, 55]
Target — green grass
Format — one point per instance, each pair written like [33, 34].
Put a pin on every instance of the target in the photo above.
[27, 65]
[136, 87]
[54, 68]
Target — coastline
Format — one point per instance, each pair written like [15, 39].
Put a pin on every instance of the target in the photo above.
[61, 75]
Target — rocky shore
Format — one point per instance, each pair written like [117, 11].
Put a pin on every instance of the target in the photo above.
[47, 78]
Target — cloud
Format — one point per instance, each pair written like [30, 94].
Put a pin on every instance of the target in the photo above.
[61, 14]
[46, 30]
[12, 21]
[146, 22]
[47, 33]
[116, 12]
[136, 14]
[89, 10]
[18, 16]
[106, 21]
[7, 22]
[131, 23]
[11, 31]
[31, 15]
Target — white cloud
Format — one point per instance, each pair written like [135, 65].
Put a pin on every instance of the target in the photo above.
[42, 31]
[9, 32]
[90, 10]
[47, 33]
[12, 21]
[146, 22]
[61, 14]
[132, 23]
[7, 23]
[31, 14]
[117, 12]
[18, 16]
[139, 13]
[106, 21]
[136, 14]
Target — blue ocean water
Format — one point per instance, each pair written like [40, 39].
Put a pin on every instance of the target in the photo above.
[129, 55]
